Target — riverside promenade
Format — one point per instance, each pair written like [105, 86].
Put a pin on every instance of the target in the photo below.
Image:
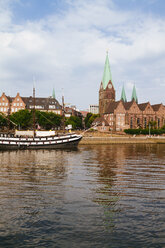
[98, 139]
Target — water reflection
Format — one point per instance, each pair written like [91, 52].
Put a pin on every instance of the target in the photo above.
[91, 197]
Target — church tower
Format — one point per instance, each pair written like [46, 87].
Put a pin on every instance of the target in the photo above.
[107, 91]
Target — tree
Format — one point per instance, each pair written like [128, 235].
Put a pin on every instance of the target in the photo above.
[89, 119]
[48, 120]
[23, 118]
[3, 121]
[75, 121]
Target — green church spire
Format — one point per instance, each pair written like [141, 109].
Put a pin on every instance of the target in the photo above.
[134, 95]
[107, 73]
[123, 95]
[53, 94]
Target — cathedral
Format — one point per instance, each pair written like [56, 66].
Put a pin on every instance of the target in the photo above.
[123, 114]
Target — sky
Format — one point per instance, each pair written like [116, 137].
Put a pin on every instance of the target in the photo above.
[62, 44]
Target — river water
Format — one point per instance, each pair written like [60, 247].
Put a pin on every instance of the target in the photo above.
[95, 196]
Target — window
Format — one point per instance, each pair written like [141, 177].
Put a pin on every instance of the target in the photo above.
[6, 104]
[3, 99]
[18, 104]
[3, 104]
[14, 104]
[131, 122]
[158, 123]
[21, 104]
[145, 122]
[4, 109]
[17, 99]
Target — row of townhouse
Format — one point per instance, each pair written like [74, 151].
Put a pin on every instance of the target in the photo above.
[9, 105]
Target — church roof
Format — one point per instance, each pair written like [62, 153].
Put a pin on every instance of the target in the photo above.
[111, 107]
[156, 106]
[127, 105]
[142, 106]
[134, 95]
[107, 73]
[123, 95]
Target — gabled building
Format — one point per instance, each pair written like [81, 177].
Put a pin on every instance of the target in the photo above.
[9, 105]
[5, 102]
[121, 114]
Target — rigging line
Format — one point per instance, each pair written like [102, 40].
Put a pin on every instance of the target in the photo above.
[8, 119]
[47, 119]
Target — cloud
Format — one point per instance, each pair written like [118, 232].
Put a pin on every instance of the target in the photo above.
[67, 50]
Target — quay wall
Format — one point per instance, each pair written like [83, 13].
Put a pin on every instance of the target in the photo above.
[121, 140]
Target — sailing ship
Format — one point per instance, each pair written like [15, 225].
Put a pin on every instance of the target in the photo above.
[11, 141]
[38, 139]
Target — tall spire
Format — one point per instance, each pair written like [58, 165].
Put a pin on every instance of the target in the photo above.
[107, 73]
[53, 93]
[134, 95]
[123, 95]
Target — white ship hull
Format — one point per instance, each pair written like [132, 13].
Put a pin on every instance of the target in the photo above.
[10, 142]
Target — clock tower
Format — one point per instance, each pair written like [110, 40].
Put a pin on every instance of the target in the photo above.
[107, 91]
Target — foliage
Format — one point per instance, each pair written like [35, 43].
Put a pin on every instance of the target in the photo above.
[3, 121]
[145, 131]
[23, 118]
[89, 119]
[48, 120]
[75, 121]
[152, 124]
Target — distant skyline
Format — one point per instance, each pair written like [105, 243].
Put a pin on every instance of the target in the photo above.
[63, 44]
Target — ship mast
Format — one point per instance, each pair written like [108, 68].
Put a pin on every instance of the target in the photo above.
[34, 112]
[63, 114]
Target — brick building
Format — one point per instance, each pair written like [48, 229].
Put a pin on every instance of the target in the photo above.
[122, 114]
[9, 105]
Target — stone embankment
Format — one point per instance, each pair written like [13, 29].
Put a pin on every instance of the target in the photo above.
[104, 139]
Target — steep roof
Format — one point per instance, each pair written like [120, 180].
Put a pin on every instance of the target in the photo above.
[156, 106]
[127, 105]
[107, 73]
[111, 107]
[99, 120]
[41, 101]
[142, 106]
[134, 95]
[123, 95]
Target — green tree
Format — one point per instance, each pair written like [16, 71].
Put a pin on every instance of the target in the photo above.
[23, 118]
[75, 121]
[3, 121]
[48, 120]
[89, 119]
[86, 120]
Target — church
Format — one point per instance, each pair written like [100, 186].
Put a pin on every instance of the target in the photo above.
[123, 114]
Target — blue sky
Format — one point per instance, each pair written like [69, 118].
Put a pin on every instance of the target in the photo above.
[63, 44]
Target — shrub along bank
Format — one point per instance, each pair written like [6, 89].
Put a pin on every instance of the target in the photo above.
[145, 131]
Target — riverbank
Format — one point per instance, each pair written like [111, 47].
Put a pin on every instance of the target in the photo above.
[103, 139]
